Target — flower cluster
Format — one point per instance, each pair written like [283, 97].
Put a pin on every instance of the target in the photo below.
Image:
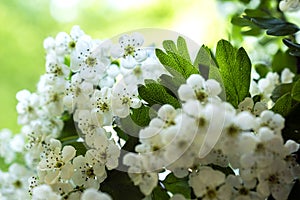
[91, 117]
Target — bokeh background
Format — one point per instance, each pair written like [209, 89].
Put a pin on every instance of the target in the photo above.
[25, 24]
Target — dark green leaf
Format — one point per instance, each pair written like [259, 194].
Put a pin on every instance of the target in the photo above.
[283, 60]
[235, 69]
[240, 21]
[177, 185]
[159, 193]
[283, 29]
[141, 115]
[291, 129]
[171, 82]
[291, 44]
[280, 90]
[226, 170]
[154, 93]
[296, 91]
[267, 23]
[121, 133]
[262, 70]
[283, 105]
[119, 186]
[79, 146]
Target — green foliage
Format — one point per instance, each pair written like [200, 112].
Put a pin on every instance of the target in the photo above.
[296, 91]
[119, 186]
[177, 185]
[283, 105]
[262, 70]
[176, 59]
[235, 69]
[154, 93]
[159, 193]
[283, 60]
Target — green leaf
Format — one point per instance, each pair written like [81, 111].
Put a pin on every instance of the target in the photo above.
[176, 59]
[204, 61]
[262, 70]
[235, 69]
[283, 29]
[80, 148]
[119, 186]
[177, 185]
[296, 91]
[281, 90]
[121, 133]
[182, 49]
[292, 126]
[283, 60]
[226, 170]
[141, 115]
[154, 93]
[159, 193]
[172, 82]
[283, 105]
[207, 64]
[169, 45]
[69, 133]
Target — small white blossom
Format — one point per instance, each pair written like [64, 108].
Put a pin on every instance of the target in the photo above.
[286, 74]
[93, 194]
[289, 5]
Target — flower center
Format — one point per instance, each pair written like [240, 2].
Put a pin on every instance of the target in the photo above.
[201, 95]
[90, 61]
[129, 50]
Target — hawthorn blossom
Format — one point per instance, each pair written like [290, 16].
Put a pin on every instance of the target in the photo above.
[129, 50]
[197, 88]
[56, 162]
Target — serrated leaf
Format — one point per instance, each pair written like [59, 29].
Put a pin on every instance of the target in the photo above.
[296, 91]
[280, 90]
[169, 45]
[176, 59]
[182, 49]
[172, 82]
[177, 185]
[283, 105]
[154, 93]
[235, 69]
[204, 60]
[208, 67]
[283, 60]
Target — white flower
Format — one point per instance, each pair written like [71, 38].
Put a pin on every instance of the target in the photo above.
[140, 173]
[86, 60]
[206, 184]
[276, 180]
[242, 190]
[101, 105]
[56, 163]
[271, 120]
[106, 152]
[129, 49]
[289, 5]
[88, 172]
[93, 194]
[123, 98]
[196, 88]
[44, 192]
[248, 105]
[286, 74]
[77, 93]
[267, 85]
[28, 106]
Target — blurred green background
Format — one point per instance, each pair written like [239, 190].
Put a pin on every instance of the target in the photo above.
[25, 24]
